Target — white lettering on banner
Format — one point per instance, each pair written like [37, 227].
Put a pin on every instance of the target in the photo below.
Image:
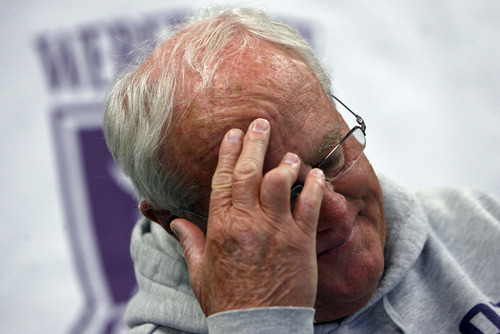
[90, 56]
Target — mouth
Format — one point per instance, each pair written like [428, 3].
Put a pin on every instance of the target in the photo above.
[328, 241]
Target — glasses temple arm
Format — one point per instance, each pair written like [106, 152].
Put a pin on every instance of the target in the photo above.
[360, 121]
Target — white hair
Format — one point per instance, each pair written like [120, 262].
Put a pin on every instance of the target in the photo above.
[140, 104]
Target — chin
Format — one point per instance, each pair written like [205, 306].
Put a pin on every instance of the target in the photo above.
[347, 283]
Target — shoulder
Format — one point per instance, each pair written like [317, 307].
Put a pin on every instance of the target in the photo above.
[461, 206]
[466, 222]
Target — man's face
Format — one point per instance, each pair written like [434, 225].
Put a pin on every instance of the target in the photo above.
[281, 88]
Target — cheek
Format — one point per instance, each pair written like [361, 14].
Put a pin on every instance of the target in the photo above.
[367, 187]
[374, 212]
[360, 182]
[355, 275]
[368, 266]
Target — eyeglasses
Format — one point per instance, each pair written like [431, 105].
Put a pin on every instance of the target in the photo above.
[337, 163]
[342, 157]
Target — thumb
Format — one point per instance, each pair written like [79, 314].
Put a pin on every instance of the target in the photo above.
[192, 240]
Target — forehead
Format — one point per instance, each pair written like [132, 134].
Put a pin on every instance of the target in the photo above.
[270, 83]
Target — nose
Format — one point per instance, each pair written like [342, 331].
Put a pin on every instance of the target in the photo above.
[334, 207]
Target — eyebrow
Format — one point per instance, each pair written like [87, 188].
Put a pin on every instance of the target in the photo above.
[331, 140]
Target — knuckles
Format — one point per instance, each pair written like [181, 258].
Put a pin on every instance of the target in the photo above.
[282, 177]
[308, 203]
[222, 179]
[246, 169]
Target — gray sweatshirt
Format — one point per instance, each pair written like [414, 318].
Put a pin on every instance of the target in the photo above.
[442, 275]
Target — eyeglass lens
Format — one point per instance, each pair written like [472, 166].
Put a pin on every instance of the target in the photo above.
[345, 155]
[339, 161]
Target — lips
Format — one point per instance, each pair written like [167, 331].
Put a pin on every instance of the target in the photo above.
[330, 239]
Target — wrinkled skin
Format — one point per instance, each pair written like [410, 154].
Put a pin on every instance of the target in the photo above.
[328, 252]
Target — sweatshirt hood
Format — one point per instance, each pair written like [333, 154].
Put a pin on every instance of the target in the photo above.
[165, 296]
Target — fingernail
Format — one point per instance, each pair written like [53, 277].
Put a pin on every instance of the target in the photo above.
[234, 136]
[317, 172]
[291, 158]
[260, 125]
[174, 229]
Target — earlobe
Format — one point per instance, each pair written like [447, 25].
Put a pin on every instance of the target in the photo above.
[148, 211]
[161, 217]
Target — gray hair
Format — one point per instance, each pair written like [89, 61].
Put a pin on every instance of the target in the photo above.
[139, 108]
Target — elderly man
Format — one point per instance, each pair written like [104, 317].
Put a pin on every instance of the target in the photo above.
[268, 215]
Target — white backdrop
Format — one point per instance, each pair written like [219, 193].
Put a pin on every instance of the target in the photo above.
[424, 74]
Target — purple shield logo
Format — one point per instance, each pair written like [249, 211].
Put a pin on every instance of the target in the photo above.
[100, 211]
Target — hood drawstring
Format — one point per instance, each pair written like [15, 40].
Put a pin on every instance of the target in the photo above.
[391, 312]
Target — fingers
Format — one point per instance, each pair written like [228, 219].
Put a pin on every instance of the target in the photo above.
[307, 206]
[247, 175]
[231, 267]
[275, 189]
[238, 175]
[192, 240]
[238, 180]
[223, 177]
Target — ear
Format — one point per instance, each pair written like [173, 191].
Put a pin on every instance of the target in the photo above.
[161, 217]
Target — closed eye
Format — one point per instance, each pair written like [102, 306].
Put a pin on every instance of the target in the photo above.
[334, 164]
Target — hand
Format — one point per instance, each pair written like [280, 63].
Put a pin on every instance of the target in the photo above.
[256, 252]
